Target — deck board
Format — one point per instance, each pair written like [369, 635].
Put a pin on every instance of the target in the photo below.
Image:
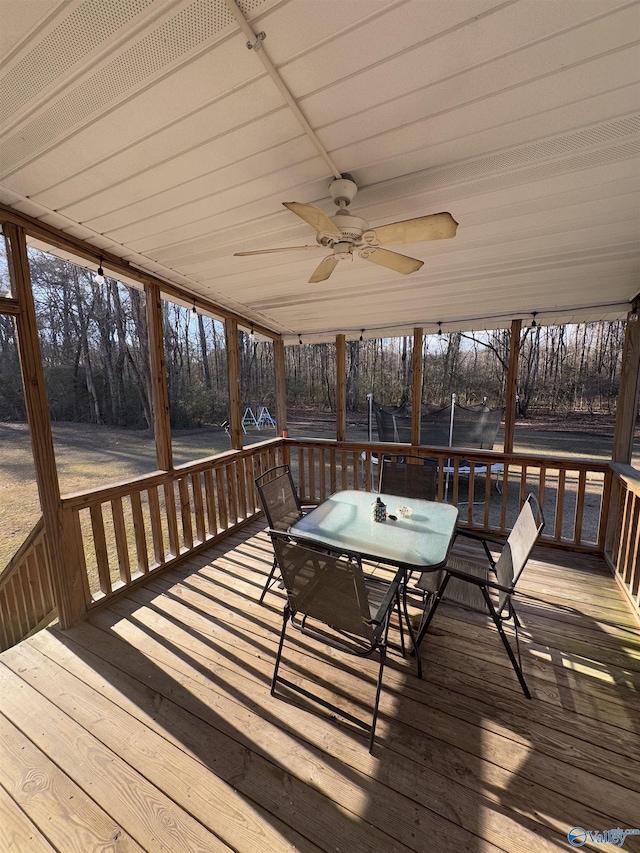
[154, 718]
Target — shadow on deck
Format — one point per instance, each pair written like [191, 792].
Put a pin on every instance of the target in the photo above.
[151, 727]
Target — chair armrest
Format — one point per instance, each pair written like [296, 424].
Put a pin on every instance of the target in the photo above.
[387, 602]
[480, 537]
[463, 576]
[318, 546]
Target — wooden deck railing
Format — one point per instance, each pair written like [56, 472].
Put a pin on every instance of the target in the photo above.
[122, 534]
[622, 550]
[573, 492]
[128, 531]
[26, 597]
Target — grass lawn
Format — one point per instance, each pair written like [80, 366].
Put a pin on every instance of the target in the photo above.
[90, 456]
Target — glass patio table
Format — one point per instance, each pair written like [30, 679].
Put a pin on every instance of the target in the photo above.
[420, 541]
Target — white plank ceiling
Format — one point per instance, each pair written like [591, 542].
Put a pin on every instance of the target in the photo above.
[148, 128]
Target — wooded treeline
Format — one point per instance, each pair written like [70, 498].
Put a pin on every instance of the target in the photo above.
[95, 353]
[562, 369]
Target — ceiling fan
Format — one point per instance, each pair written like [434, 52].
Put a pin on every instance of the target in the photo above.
[346, 234]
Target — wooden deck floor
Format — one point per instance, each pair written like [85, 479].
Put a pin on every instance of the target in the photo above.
[151, 727]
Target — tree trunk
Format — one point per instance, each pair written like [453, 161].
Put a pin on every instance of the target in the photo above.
[205, 355]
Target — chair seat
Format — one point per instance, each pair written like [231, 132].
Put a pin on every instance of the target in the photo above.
[457, 591]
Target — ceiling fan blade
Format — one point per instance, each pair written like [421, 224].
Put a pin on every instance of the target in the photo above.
[393, 261]
[438, 226]
[313, 215]
[269, 251]
[324, 269]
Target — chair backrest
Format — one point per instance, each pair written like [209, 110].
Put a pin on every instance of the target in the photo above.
[518, 546]
[279, 497]
[324, 586]
[415, 478]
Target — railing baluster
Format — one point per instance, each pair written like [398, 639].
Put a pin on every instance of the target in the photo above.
[454, 482]
[20, 602]
[524, 471]
[156, 525]
[139, 533]
[120, 533]
[210, 494]
[7, 637]
[100, 545]
[28, 578]
[198, 505]
[332, 471]
[505, 498]
[487, 496]
[301, 488]
[542, 482]
[222, 498]
[172, 518]
[185, 512]
[582, 487]
[471, 495]
[323, 485]
[624, 539]
[14, 621]
[241, 488]
[232, 493]
[562, 475]
[312, 474]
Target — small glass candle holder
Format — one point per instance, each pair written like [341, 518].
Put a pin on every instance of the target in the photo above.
[404, 511]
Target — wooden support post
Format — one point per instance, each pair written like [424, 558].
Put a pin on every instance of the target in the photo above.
[233, 369]
[512, 386]
[66, 577]
[341, 388]
[416, 386]
[628, 395]
[159, 390]
[280, 386]
[626, 413]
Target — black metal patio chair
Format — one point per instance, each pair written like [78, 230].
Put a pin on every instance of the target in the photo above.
[470, 584]
[281, 506]
[327, 588]
[414, 478]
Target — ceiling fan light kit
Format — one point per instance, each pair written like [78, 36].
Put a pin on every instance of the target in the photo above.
[343, 233]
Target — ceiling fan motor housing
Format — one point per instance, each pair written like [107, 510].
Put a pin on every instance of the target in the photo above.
[342, 251]
[343, 190]
[351, 227]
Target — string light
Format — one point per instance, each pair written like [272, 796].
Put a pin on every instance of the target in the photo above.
[440, 329]
[534, 314]
[193, 310]
[252, 334]
[633, 317]
[361, 334]
[299, 338]
[100, 273]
